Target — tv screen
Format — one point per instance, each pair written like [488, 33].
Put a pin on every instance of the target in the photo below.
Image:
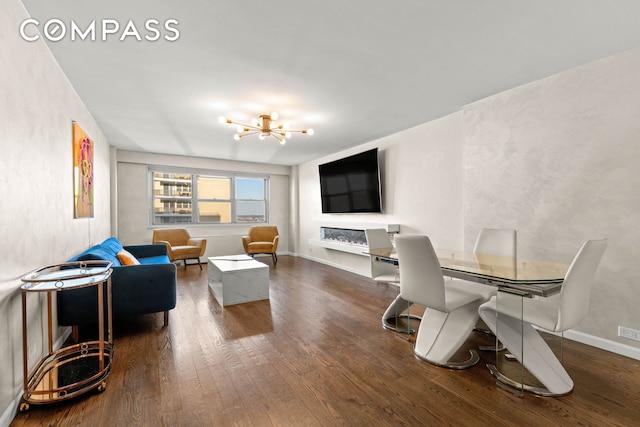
[351, 184]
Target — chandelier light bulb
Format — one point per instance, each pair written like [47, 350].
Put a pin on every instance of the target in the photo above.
[287, 135]
[239, 129]
[254, 121]
[261, 137]
[309, 131]
[222, 119]
[274, 116]
[237, 137]
[282, 141]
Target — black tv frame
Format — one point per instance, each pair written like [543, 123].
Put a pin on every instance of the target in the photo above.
[351, 184]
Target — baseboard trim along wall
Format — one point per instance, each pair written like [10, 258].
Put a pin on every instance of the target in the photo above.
[604, 344]
[331, 264]
[10, 412]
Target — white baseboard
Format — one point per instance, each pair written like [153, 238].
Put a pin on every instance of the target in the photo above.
[604, 344]
[10, 412]
[332, 264]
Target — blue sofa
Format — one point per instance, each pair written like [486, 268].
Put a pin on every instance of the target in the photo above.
[149, 287]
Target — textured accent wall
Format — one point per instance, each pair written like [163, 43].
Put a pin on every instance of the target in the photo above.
[558, 160]
[37, 228]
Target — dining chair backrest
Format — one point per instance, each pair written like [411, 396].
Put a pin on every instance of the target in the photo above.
[575, 293]
[496, 241]
[377, 238]
[421, 280]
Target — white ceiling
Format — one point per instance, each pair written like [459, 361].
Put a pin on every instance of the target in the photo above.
[354, 70]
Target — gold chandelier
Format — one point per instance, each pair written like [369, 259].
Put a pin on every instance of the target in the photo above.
[263, 126]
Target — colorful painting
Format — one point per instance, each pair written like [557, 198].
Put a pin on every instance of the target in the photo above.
[82, 173]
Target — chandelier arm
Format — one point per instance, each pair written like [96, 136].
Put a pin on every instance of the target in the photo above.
[251, 132]
[232, 122]
[246, 125]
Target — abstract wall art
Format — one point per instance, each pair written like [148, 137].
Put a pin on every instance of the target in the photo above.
[82, 173]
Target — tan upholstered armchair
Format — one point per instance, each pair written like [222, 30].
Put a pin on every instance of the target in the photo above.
[180, 245]
[262, 239]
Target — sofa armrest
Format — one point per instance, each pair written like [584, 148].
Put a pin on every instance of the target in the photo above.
[142, 289]
[147, 251]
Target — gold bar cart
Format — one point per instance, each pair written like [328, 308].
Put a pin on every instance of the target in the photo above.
[77, 368]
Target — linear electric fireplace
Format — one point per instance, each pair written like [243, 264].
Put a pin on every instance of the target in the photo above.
[346, 236]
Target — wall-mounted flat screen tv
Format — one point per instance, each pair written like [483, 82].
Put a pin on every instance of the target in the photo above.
[351, 184]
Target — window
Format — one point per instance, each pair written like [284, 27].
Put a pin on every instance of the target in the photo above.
[207, 198]
[250, 200]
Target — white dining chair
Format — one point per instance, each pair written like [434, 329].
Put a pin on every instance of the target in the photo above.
[514, 320]
[451, 305]
[496, 241]
[382, 271]
[378, 238]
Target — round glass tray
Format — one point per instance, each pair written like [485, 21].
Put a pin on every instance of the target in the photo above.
[60, 277]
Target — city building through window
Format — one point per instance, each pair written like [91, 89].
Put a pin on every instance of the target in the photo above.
[183, 197]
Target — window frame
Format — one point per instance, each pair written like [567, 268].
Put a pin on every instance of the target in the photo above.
[195, 174]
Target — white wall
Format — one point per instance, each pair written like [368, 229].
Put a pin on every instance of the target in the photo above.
[555, 159]
[422, 175]
[558, 160]
[132, 209]
[37, 228]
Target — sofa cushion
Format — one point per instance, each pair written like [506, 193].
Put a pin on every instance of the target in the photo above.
[106, 251]
[125, 258]
[97, 252]
[112, 245]
[160, 259]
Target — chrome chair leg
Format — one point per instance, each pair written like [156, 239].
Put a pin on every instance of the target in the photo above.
[488, 347]
[473, 359]
[398, 305]
[390, 327]
[518, 387]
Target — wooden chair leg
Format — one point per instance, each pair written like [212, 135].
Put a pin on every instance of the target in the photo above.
[275, 258]
[166, 317]
[75, 333]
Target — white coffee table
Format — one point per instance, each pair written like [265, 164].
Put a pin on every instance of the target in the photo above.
[235, 279]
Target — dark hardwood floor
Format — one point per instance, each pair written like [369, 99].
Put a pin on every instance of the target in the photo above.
[315, 354]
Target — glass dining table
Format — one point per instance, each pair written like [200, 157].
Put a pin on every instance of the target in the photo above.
[520, 276]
